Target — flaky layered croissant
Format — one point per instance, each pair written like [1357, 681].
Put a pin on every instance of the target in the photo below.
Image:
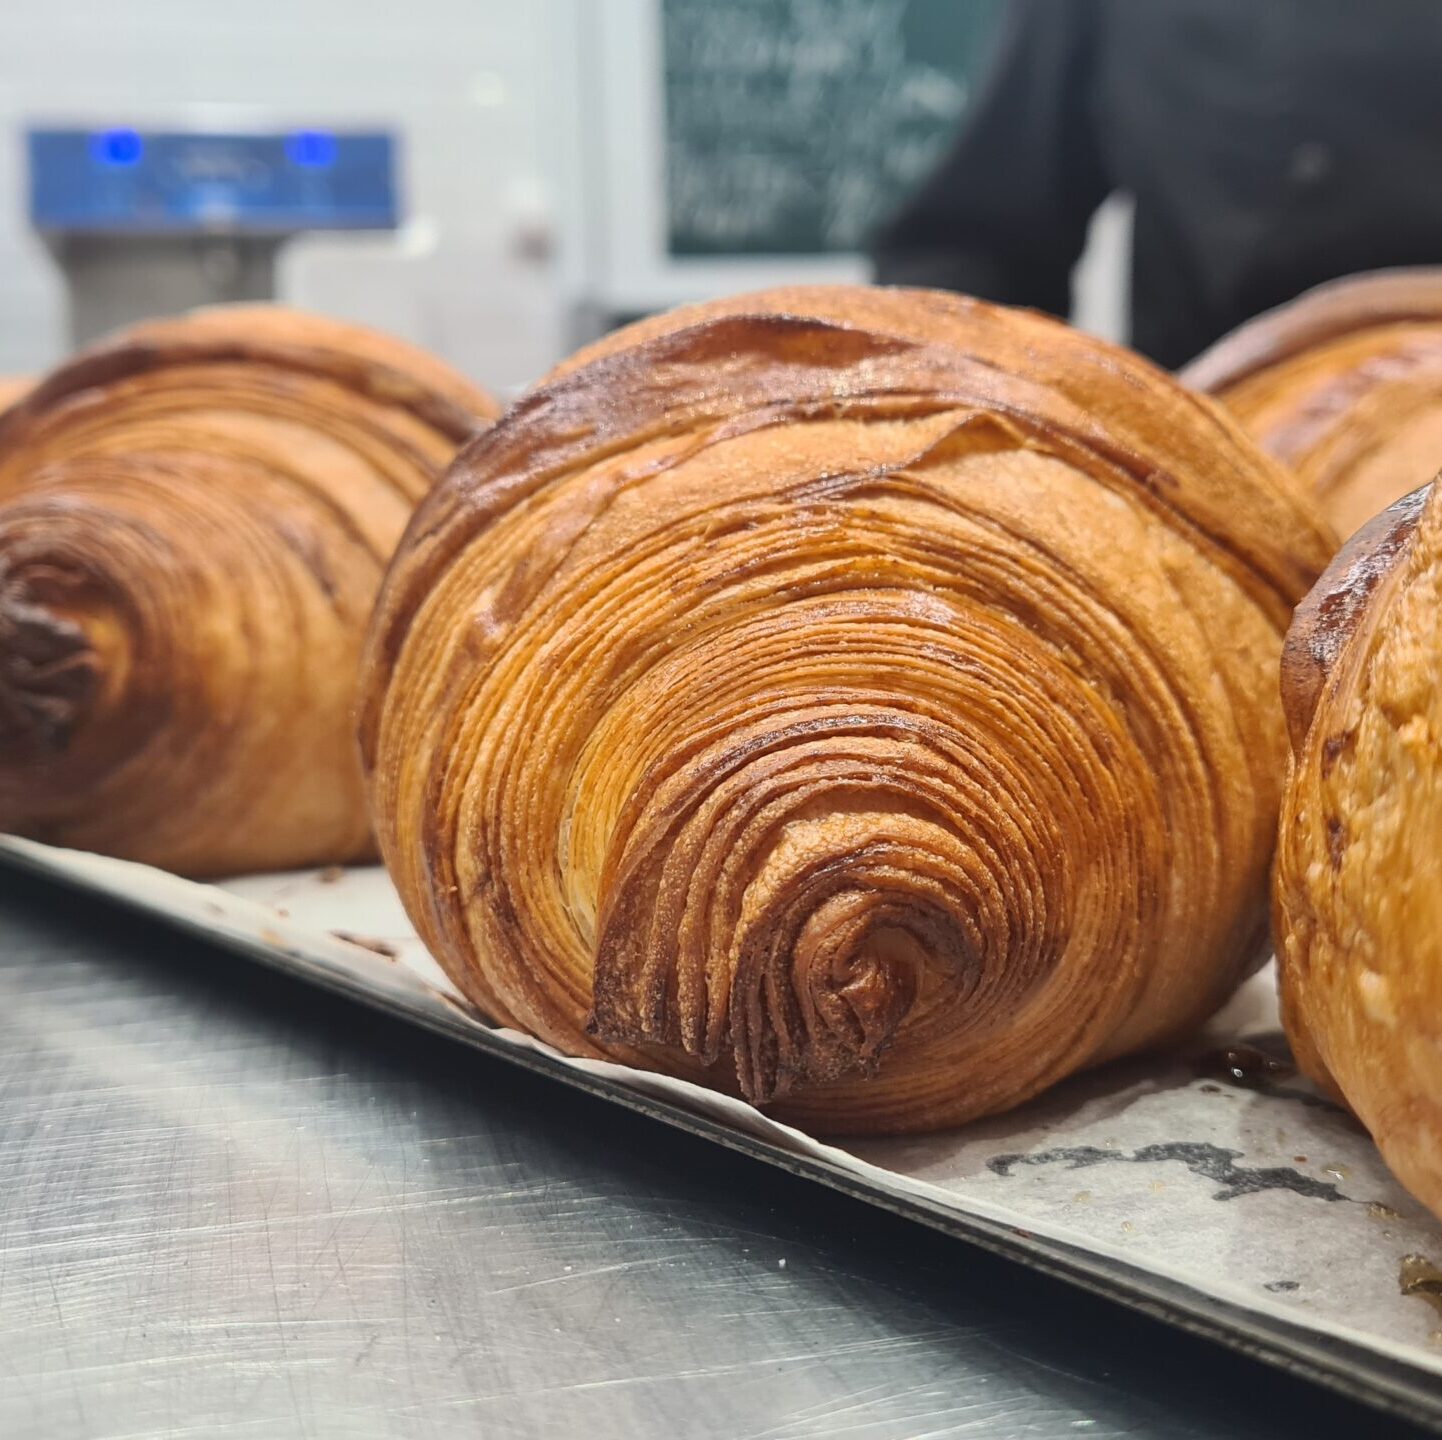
[12, 387]
[865, 699]
[194, 518]
[1343, 386]
[1359, 861]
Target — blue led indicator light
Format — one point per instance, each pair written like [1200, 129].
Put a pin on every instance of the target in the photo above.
[313, 149]
[117, 147]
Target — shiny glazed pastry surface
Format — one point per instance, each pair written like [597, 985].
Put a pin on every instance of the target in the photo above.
[865, 699]
[194, 519]
[1359, 864]
[1343, 386]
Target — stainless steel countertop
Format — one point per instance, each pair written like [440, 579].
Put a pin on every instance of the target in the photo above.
[231, 1206]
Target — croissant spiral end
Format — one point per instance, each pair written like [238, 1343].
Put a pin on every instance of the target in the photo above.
[49, 672]
[803, 955]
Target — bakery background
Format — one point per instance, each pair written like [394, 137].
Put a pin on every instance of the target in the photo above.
[519, 178]
[499, 185]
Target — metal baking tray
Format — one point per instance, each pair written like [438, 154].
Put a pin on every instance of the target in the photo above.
[1212, 1189]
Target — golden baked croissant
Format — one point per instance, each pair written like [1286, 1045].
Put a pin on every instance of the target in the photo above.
[12, 387]
[194, 518]
[1344, 386]
[863, 698]
[1359, 861]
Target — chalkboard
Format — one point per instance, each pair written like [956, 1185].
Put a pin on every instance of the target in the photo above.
[794, 126]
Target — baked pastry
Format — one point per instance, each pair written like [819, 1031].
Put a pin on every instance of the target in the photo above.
[194, 518]
[863, 699]
[1343, 386]
[12, 387]
[1359, 863]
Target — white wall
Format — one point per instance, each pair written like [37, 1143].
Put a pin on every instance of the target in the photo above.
[1101, 281]
[467, 83]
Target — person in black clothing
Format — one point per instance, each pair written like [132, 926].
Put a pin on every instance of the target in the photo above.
[1269, 144]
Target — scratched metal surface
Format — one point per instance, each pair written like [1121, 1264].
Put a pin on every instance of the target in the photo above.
[231, 1206]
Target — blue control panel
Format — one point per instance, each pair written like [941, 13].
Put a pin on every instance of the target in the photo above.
[124, 181]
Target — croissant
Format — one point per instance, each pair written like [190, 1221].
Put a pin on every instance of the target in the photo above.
[12, 387]
[194, 519]
[861, 699]
[1343, 386]
[1359, 863]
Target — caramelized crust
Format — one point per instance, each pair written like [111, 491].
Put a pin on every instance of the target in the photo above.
[194, 518]
[1359, 879]
[862, 699]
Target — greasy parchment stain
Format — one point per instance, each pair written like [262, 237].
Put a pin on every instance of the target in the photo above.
[1210, 1161]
